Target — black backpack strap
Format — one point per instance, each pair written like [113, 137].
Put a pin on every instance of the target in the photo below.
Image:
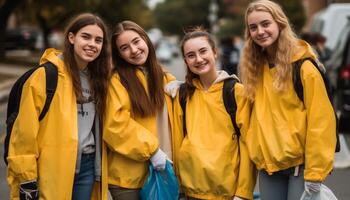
[51, 84]
[298, 86]
[230, 101]
[183, 102]
[299, 89]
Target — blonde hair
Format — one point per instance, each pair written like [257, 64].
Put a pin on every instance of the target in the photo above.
[251, 68]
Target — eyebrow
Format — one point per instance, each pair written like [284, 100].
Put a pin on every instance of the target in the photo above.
[264, 21]
[203, 48]
[135, 38]
[88, 34]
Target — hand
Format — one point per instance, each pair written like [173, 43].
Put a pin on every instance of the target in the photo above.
[312, 187]
[172, 87]
[237, 198]
[158, 160]
[29, 191]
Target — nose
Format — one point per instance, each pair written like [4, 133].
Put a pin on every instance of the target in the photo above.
[133, 49]
[92, 43]
[199, 58]
[260, 30]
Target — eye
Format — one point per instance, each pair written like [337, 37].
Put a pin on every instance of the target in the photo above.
[123, 48]
[86, 37]
[265, 24]
[252, 28]
[190, 56]
[99, 40]
[136, 41]
[203, 51]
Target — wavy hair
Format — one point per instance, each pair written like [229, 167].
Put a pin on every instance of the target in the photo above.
[142, 104]
[191, 33]
[99, 69]
[251, 67]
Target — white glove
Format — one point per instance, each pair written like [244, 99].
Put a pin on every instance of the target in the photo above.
[312, 187]
[158, 160]
[237, 198]
[172, 87]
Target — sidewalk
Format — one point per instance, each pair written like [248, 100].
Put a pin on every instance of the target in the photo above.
[15, 64]
[5, 85]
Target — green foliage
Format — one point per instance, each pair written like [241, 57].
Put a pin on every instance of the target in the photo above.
[175, 15]
[295, 12]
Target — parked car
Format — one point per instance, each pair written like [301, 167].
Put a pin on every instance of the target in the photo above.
[21, 38]
[339, 71]
[330, 21]
[166, 51]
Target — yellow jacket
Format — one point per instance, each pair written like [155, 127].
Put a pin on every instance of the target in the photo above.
[209, 162]
[45, 151]
[285, 132]
[131, 140]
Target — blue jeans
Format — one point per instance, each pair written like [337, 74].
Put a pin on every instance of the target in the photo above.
[282, 185]
[84, 180]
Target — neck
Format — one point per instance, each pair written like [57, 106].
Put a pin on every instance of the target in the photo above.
[208, 79]
[80, 64]
[271, 53]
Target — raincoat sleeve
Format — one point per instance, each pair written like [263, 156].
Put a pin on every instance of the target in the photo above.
[177, 130]
[321, 125]
[247, 171]
[23, 146]
[122, 133]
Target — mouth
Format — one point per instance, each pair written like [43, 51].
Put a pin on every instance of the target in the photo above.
[200, 66]
[263, 39]
[90, 52]
[137, 55]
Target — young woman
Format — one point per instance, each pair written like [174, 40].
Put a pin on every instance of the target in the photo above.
[290, 141]
[137, 128]
[59, 157]
[211, 160]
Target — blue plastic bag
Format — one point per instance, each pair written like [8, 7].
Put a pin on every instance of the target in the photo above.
[161, 185]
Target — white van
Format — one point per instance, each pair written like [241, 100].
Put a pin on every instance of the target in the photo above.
[330, 21]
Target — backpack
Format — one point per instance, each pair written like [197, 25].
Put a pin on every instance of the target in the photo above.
[14, 100]
[298, 87]
[229, 102]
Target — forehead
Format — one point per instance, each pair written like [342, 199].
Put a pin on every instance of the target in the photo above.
[194, 44]
[92, 30]
[126, 37]
[256, 17]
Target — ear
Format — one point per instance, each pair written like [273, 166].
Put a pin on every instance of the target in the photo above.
[215, 51]
[71, 37]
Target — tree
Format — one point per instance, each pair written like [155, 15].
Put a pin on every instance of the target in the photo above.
[175, 15]
[295, 12]
[7, 7]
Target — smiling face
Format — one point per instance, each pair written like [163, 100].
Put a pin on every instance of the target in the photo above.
[199, 56]
[132, 48]
[263, 29]
[87, 44]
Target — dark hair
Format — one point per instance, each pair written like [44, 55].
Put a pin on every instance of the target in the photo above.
[99, 69]
[142, 104]
[191, 33]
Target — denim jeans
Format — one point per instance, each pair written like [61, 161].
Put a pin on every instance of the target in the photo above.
[282, 185]
[119, 193]
[84, 180]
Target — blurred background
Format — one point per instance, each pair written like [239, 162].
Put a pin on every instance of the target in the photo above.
[28, 27]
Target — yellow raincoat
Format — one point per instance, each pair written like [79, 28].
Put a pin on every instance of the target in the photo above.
[210, 163]
[131, 140]
[46, 151]
[285, 132]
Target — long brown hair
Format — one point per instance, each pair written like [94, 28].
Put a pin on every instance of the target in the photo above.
[253, 56]
[99, 69]
[142, 104]
[191, 33]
